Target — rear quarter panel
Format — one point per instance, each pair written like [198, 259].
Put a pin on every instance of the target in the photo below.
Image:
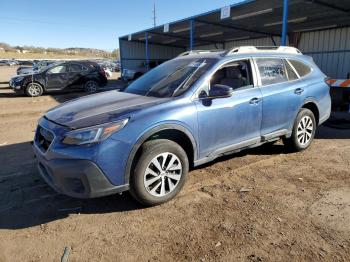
[317, 91]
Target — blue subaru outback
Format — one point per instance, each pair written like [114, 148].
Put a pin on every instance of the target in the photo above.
[183, 113]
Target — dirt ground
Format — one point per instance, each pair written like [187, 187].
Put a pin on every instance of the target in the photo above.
[294, 206]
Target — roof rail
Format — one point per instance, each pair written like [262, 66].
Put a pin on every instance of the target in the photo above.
[196, 52]
[263, 49]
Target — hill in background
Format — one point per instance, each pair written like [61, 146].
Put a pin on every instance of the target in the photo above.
[27, 52]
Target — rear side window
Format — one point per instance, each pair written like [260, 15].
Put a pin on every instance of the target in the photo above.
[290, 72]
[76, 68]
[57, 70]
[300, 67]
[271, 70]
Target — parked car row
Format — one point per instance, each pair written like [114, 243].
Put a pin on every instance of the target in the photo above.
[129, 74]
[62, 76]
[6, 62]
[37, 65]
[113, 66]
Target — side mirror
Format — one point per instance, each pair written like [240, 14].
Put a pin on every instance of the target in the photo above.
[220, 91]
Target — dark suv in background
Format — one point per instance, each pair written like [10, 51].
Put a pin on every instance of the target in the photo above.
[64, 76]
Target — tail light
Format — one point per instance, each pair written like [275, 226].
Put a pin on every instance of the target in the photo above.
[103, 72]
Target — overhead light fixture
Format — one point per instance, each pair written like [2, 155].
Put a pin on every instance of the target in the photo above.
[296, 20]
[181, 30]
[261, 12]
[169, 41]
[211, 34]
[237, 38]
[316, 28]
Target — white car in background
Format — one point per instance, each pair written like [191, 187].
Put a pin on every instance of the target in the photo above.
[108, 72]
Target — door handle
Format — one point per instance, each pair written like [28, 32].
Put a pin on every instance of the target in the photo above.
[298, 91]
[254, 101]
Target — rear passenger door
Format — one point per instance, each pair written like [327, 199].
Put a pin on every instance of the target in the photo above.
[282, 95]
[76, 74]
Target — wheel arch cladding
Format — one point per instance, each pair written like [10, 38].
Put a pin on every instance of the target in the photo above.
[314, 109]
[34, 82]
[176, 133]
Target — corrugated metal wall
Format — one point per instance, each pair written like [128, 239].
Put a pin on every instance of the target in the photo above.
[329, 48]
[133, 54]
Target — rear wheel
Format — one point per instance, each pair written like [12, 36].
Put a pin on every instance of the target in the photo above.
[34, 90]
[303, 133]
[91, 86]
[160, 172]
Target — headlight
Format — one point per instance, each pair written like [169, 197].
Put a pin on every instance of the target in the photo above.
[93, 134]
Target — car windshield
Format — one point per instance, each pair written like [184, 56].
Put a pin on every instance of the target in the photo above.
[171, 78]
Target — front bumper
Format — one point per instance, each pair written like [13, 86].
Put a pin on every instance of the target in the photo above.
[15, 86]
[76, 178]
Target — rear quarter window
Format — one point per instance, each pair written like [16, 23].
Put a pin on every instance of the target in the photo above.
[300, 67]
[75, 68]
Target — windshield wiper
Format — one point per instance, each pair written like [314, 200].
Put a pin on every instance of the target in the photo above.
[165, 78]
[187, 79]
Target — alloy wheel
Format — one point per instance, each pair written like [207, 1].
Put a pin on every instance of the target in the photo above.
[34, 90]
[91, 87]
[305, 130]
[162, 174]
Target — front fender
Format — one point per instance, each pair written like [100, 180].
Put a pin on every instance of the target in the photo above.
[149, 132]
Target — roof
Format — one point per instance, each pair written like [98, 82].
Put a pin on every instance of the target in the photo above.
[250, 19]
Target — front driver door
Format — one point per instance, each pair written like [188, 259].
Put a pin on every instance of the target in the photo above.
[57, 77]
[225, 124]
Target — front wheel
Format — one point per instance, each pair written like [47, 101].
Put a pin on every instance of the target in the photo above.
[160, 172]
[303, 133]
[34, 90]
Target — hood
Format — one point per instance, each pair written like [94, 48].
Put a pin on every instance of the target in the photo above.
[99, 109]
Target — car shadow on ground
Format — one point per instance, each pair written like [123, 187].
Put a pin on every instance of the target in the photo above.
[26, 200]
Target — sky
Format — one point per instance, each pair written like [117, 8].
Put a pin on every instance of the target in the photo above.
[89, 23]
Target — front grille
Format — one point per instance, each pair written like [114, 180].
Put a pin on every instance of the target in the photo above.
[44, 138]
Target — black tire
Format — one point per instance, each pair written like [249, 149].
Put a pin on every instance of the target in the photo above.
[34, 89]
[91, 86]
[295, 142]
[151, 150]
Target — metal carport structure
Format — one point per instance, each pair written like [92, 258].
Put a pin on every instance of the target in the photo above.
[319, 28]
